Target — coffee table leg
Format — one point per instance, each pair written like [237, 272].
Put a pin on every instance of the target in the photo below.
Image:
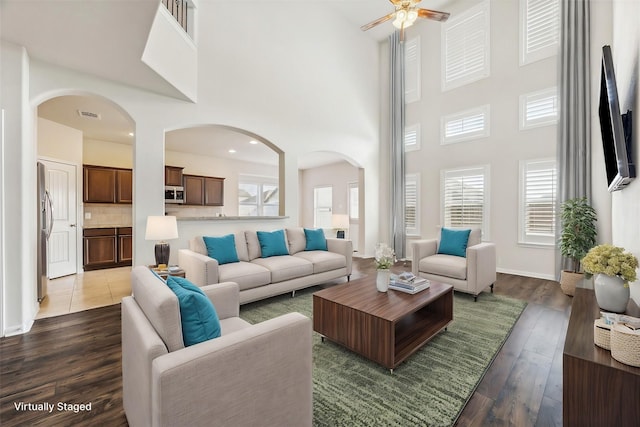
[391, 370]
[322, 338]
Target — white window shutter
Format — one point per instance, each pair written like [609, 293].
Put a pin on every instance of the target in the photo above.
[412, 87]
[465, 46]
[412, 204]
[538, 201]
[539, 108]
[465, 198]
[539, 29]
[412, 137]
[465, 125]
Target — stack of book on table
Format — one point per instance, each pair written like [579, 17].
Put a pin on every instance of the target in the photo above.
[407, 282]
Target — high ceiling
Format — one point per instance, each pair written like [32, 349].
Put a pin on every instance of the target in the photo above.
[80, 35]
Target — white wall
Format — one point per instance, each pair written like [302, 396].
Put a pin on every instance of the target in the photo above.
[59, 142]
[625, 214]
[502, 150]
[281, 77]
[107, 153]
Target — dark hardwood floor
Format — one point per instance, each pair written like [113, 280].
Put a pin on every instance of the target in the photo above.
[75, 359]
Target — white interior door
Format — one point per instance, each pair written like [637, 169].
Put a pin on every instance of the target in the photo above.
[62, 245]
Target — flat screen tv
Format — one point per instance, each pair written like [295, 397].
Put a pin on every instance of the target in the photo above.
[615, 128]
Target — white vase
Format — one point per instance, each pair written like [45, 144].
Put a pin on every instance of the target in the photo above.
[382, 280]
[611, 294]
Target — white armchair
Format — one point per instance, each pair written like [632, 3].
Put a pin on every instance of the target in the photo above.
[251, 375]
[471, 274]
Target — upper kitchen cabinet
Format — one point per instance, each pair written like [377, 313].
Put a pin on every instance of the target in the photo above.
[107, 185]
[203, 190]
[173, 176]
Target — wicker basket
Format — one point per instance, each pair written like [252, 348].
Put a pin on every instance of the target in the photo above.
[625, 345]
[602, 334]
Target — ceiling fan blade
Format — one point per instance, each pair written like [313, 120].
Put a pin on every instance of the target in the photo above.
[399, 2]
[433, 14]
[377, 21]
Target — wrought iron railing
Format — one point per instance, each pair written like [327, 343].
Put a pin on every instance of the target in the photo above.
[178, 8]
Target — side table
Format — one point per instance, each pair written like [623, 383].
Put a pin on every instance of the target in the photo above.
[166, 273]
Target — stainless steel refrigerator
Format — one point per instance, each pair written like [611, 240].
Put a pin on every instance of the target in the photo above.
[45, 223]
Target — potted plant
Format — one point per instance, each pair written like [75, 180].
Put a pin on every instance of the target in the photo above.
[577, 236]
[385, 258]
[613, 269]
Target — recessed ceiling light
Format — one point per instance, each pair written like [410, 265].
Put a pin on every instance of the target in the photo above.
[253, 141]
[232, 151]
[130, 133]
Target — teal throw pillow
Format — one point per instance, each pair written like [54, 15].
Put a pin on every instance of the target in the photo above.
[316, 241]
[454, 242]
[199, 318]
[223, 249]
[272, 243]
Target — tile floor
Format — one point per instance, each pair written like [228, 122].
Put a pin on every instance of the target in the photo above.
[87, 290]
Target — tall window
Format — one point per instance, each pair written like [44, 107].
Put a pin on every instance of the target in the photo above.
[412, 204]
[258, 196]
[465, 47]
[354, 201]
[412, 70]
[537, 201]
[465, 125]
[465, 198]
[539, 29]
[539, 108]
[322, 207]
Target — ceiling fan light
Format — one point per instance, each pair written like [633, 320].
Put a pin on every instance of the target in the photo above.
[401, 17]
[412, 16]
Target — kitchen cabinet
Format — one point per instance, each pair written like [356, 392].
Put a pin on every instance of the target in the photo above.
[124, 186]
[107, 247]
[107, 185]
[203, 190]
[173, 176]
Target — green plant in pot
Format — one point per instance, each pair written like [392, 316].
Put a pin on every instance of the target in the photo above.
[578, 235]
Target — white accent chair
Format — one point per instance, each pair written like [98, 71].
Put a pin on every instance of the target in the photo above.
[252, 375]
[471, 274]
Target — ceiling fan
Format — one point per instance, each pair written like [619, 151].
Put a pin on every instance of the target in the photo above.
[406, 14]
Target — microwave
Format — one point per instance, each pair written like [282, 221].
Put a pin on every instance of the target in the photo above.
[173, 194]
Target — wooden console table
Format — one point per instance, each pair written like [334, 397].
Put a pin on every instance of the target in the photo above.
[597, 390]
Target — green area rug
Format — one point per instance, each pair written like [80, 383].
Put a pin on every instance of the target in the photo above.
[428, 389]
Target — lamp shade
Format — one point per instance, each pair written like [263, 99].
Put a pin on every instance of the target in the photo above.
[161, 228]
[340, 221]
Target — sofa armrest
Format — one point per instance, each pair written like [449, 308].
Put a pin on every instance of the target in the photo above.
[422, 249]
[343, 247]
[199, 269]
[260, 375]
[481, 265]
[225, 297]
[140, 345]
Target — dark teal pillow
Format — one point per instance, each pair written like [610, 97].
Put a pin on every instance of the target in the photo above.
[223, 249]
[454, 242]
[272, 243]
[316, 241]
[200, 321]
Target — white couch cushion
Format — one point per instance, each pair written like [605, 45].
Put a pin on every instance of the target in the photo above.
[253, 245]
[197, 245]
[296, 240]
[323, 260]
[445, 265]
[285, 267]
[233, 324]
[246, 274]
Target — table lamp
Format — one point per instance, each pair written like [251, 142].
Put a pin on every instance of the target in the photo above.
[340, 222]
[161, 228]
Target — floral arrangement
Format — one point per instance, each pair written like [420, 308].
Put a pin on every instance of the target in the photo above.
[385, 256]
[612, 261]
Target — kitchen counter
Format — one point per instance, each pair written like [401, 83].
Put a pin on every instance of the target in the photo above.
[228, 218]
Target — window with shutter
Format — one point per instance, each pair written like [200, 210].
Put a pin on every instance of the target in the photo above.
[465, 47]
[465, 198]
[465, 125]
[537, 201]
[539, 108]
[412, 137]
[412, 74]
[539, 29]
[412, 204]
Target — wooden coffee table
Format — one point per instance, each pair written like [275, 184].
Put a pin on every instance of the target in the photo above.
[385, 327]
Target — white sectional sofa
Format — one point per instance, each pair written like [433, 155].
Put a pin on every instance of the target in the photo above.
[261, 277]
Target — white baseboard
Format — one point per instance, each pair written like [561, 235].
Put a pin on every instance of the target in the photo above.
[18, 329]
[527, 274]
